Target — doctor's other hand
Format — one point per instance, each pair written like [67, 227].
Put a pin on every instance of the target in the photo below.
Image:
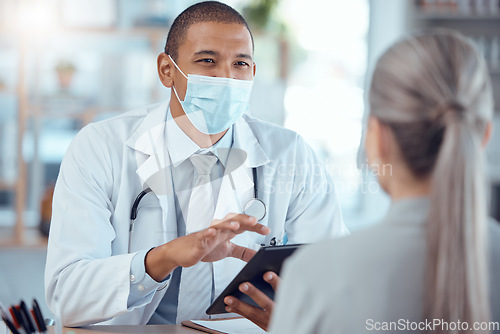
[209, 245]
[260, 316]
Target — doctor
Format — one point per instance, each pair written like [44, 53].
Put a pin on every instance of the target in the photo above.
[199, 161]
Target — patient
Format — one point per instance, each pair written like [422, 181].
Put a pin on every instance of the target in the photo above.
[435, 259]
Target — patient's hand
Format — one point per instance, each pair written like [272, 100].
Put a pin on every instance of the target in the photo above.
[261, 316]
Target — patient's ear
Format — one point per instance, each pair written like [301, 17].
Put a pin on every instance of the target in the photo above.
[374, 145]
[487, 134]
[386, 142]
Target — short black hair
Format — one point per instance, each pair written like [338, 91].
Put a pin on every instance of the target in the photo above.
[207, 11]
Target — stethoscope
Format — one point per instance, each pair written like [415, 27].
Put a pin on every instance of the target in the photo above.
[254, 206]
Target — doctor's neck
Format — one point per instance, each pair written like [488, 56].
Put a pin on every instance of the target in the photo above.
[199, 138]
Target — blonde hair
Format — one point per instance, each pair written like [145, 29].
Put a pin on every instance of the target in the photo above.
[433, 91]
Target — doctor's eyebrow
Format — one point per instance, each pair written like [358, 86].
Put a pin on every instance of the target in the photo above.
[206, 52]
[244, 55]
[215, 53]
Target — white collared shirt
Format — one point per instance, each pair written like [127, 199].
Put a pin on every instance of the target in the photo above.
[180, 147]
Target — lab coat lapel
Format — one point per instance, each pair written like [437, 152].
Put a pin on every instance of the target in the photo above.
[148, 143]
[153, 163]
[238, 172]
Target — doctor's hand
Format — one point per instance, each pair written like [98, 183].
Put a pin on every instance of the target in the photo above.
[260, 316]
[209, 245]
[229, 249]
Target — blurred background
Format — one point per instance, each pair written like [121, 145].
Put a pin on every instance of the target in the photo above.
[65, 63]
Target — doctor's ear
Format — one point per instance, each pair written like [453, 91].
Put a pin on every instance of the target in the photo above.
[165, 67]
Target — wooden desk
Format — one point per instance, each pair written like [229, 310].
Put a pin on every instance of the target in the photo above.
[101, 329]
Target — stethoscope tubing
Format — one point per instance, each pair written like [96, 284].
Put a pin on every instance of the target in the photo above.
[135, 205]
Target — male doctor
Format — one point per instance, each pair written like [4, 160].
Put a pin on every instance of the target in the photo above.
[196, 160]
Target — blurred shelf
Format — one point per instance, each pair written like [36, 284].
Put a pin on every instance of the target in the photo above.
[456, 16]
[7, 91]
[86, 114]
[126, 32]
[31, 238]
[7, 186]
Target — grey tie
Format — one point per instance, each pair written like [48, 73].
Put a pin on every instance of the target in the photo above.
[196, 282]
[201, 203]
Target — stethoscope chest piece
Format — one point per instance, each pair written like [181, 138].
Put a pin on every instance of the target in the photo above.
[256, 208]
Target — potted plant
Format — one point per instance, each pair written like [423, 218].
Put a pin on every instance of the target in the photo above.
[65, 71]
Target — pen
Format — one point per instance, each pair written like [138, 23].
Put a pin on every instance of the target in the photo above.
[9, 324]
[33, 317]
[39, 317]
[16, 317]
[21, 319]
[27, 317]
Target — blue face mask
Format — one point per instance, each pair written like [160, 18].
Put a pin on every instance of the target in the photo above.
[213, 104]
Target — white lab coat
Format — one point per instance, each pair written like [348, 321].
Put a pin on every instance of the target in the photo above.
[110, 162]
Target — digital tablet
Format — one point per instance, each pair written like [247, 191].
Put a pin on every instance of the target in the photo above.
[269, 258]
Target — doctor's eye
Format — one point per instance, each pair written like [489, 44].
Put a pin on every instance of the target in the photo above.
[242, 63]
[206, 60]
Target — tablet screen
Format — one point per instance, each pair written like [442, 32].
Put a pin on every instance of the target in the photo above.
[268, 258]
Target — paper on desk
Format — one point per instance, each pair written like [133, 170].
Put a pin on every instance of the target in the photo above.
[233, 326]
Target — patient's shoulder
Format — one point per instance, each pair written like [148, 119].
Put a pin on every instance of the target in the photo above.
[366, 251]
